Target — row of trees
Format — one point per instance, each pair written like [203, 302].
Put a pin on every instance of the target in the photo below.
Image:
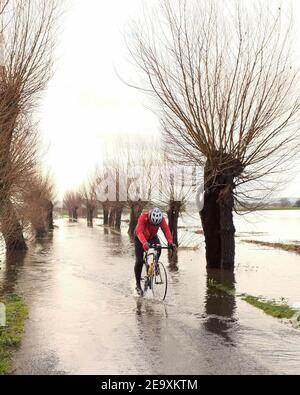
[27, 37]
[133, 178]
[225, 84]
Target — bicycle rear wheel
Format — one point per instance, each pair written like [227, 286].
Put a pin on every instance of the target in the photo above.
[159, 282]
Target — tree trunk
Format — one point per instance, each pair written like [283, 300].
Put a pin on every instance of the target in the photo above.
[12, 230]
[90, 216]
[112, 216]
[219, 230]
[118, 218]
[173, 215]
[173, 261]
[40, 231]
[50, 224]
[74, 215]
[105, 213]
[217, 214]
[227, 232]
[136, 209]
[132, 222]
[210, 217]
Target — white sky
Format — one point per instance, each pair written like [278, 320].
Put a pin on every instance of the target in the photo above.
[86, 103]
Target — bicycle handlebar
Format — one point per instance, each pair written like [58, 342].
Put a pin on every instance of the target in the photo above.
[159, 247]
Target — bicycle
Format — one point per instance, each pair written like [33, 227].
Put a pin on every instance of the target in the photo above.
[156, 277]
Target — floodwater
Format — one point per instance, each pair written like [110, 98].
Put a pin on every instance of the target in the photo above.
[85, 319]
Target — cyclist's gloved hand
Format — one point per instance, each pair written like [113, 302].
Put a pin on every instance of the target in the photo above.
[173, 246]
[146, 246]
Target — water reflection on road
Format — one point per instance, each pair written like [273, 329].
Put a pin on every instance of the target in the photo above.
[220, 307]
[84, 317]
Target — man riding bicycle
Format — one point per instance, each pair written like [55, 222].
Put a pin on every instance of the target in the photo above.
[146, 230]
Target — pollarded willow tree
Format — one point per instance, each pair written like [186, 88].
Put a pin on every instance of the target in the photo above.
[37, 204]
[175, 188]
[16, 171]
[227, 88]
[89, 199]
[27, 42]
[142, 178]
[100, 176]
[110, 181]
[72, 202]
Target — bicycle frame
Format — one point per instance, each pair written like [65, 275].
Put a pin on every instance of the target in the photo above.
[157, 270]
[156, 248]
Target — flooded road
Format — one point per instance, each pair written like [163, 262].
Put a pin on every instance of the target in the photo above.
[85, 319]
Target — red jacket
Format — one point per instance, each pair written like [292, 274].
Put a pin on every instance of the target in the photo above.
[146, 231]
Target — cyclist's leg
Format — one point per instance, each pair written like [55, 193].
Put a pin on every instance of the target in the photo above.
[139, 261]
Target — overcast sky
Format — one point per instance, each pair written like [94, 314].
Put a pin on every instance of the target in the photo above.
[86, 103]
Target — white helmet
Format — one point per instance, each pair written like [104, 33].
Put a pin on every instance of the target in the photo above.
[155, 216]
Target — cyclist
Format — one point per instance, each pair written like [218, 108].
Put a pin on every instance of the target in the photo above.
[145, 235]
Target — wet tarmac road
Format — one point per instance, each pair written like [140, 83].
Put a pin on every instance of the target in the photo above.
[85, 319]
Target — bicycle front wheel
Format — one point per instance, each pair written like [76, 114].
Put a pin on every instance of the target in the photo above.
[159, 282]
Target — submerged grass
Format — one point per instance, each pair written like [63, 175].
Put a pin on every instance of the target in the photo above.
[282, 246]
[277, 309]
[272, 209]
[11, 334]
[222, 287]
[188, 248]
[274, 308]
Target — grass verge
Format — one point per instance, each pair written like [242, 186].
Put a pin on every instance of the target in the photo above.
[272, 209]
[282, 246]
[274, 308]
[277, 309]
[188, 248]
[11, 334]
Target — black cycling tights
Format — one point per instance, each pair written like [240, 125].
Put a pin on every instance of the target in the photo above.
[139, 257]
